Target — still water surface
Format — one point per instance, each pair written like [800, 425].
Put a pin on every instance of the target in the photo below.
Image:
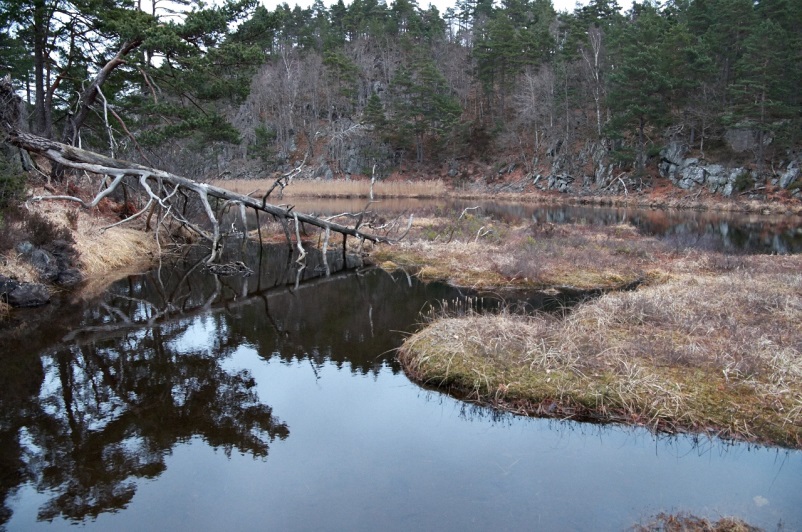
[713, 230]
[184, 401]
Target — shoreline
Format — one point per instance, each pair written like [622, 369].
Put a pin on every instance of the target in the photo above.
[663, 196]
[706, 343]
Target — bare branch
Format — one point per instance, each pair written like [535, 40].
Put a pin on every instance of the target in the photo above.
[128, 219]
[283, 181]
[73, 157]
[301, 251]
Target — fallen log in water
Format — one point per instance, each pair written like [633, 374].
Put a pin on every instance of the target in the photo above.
[161, 188]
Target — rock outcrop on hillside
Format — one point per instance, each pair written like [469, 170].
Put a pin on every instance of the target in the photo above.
[691, 172]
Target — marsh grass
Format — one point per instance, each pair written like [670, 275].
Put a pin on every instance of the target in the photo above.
[718, 354]
[339, 188]
[477, 251]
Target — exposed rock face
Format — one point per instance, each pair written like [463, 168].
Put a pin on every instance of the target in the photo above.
[743, 139]
[672, 159]
[791, 174]
[691, 175]
[19, 294]
[740, 140]
[688, 173]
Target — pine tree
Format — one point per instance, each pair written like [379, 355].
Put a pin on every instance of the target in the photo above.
[763, 95]
[374, 114]
[423, 106]
[639, 84]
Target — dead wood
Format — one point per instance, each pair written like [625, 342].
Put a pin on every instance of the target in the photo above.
[161, 188]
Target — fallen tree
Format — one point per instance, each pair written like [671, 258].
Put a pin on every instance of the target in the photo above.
[163, 190]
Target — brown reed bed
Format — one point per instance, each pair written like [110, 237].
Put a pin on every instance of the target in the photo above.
[338, 188]
[716, 353]
[707, 343]
[478, 252]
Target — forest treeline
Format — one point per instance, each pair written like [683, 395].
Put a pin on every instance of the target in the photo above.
[373, 86]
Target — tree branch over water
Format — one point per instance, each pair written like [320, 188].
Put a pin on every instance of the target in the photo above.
[79, 159]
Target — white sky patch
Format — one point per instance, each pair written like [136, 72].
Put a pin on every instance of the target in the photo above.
[199, 336]
[169, 9]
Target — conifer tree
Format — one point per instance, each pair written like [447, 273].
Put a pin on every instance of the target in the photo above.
[763, 92]
[639, 84]
[423, 106]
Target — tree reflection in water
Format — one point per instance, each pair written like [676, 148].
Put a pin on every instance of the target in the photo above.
[109, 412]
[110, 388]
[85, 419]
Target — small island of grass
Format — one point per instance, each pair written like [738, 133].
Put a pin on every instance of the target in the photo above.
[708, 342]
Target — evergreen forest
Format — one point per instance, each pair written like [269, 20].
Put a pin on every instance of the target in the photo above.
[237, 89]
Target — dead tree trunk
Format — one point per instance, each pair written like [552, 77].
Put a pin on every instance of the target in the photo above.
[161, 188]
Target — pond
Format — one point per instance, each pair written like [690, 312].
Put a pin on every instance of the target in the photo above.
[730, 232]
[181, 400]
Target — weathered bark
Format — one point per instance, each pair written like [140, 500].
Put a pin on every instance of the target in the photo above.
[72, 157]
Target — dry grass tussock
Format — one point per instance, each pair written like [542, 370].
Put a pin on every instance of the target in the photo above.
[11, 265]
[479, 252]
[718, 353]
[339, 188]
[102, 252]
[105, 252]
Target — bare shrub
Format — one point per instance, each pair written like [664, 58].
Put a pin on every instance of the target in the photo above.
[41, 230]
[10, 228]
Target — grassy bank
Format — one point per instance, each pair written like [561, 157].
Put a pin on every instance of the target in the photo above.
[707, 343]
[717, 353]
[103, 255]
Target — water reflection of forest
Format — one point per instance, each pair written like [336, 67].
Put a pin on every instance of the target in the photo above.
[127, 377]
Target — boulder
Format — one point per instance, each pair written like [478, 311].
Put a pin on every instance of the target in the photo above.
[691, 176]
[732, 177]
[353, 261]
[25, 247]
[63, 252]
[716, 176]
[674, 153]
[19, 294]
[554, 149]
[69, 278]
[45, 263]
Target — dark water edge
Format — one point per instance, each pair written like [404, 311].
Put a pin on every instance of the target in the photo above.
[183, 400]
